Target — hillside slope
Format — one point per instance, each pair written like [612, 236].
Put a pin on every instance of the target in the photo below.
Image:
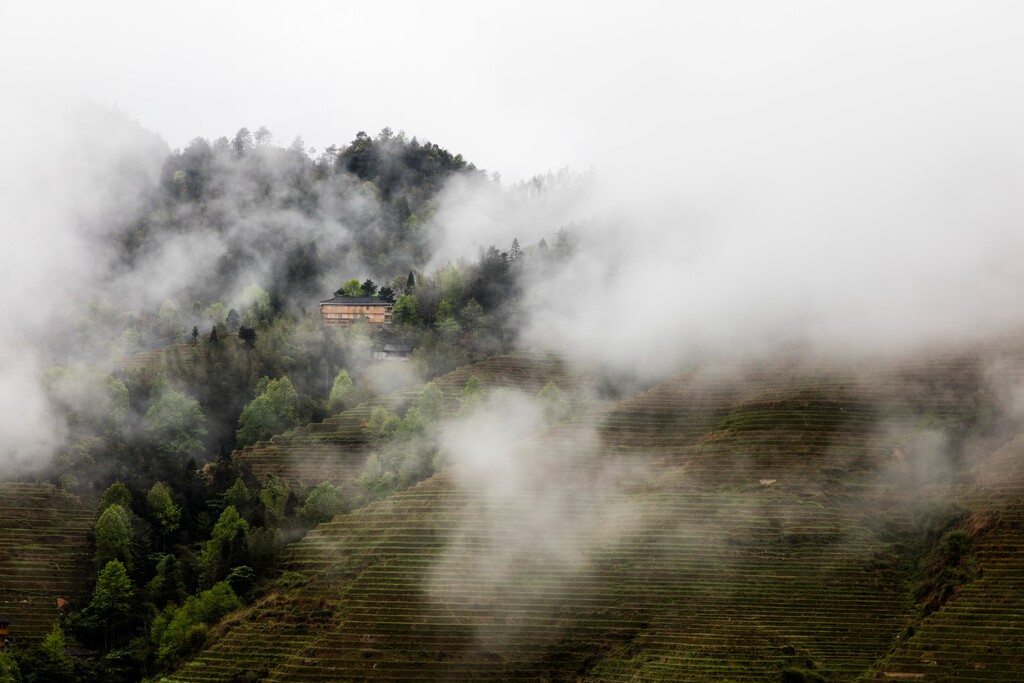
[336, 449]
[742, 523]
[977, 634]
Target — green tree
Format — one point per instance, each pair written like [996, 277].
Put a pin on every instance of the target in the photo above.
[342, 392]
[248, 336]
[170, 323]
[376, 480]
[240, 498]
[216, 313]
[175, 424]
[227, 547]
[410, 283]
[112, 600]
[472, 317]
[258, 309]
[446, 323]
[166, 585]
[382, 425]
[48, 661]
[368, 288]
[407, 310]
[322, 504]
[274, 496]
[412, 425]
[113, 534]
[273, 411]
[431, 402]
[162, 508]
[470, 396]
[350, 288]
[10, 672]
[116, 494]
[179, 632]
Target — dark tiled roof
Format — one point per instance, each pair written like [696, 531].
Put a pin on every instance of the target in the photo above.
[357, 301]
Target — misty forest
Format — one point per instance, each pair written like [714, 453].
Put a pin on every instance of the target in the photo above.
[372, 413]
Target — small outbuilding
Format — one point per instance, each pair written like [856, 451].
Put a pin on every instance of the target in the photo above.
[394, 352]
[397, 350]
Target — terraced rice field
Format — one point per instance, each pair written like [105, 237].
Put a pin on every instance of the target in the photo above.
[979, 634]
[335, 450]
[45, 553]
[728, 525]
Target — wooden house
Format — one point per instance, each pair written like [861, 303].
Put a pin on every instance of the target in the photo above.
[345, 310]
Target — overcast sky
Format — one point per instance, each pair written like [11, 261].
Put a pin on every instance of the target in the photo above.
[524, 87]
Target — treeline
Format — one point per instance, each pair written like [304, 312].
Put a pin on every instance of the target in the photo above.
[293, 216]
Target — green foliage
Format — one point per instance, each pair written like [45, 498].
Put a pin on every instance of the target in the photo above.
[216, 313]
[46, 662]
[322, 504]
[368, 288]
[113, 533]
[176, 424]
[274, 496]
[239, 497]
[112, 599]
[342, 392]
[116, 494]
[797, 675]
[452, 284]
[382, 424]
[10, 672]
[431, 402]
[179, 632]
[273, 411]
[944, 570]
[166, 585]
[470, 395]
[162, 508]
[445, 321]
[376, 480]
[407, 310]
[227, 547]
[405, 447]
[412, 425]
[171, 326]
[259, 310]
[350, 288]
[264, 546]
[241, 579]
[472, 317]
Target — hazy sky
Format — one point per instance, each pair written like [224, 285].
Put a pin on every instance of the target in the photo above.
[525, 87]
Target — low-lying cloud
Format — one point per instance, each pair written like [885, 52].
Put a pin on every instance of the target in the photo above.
[538, 505]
